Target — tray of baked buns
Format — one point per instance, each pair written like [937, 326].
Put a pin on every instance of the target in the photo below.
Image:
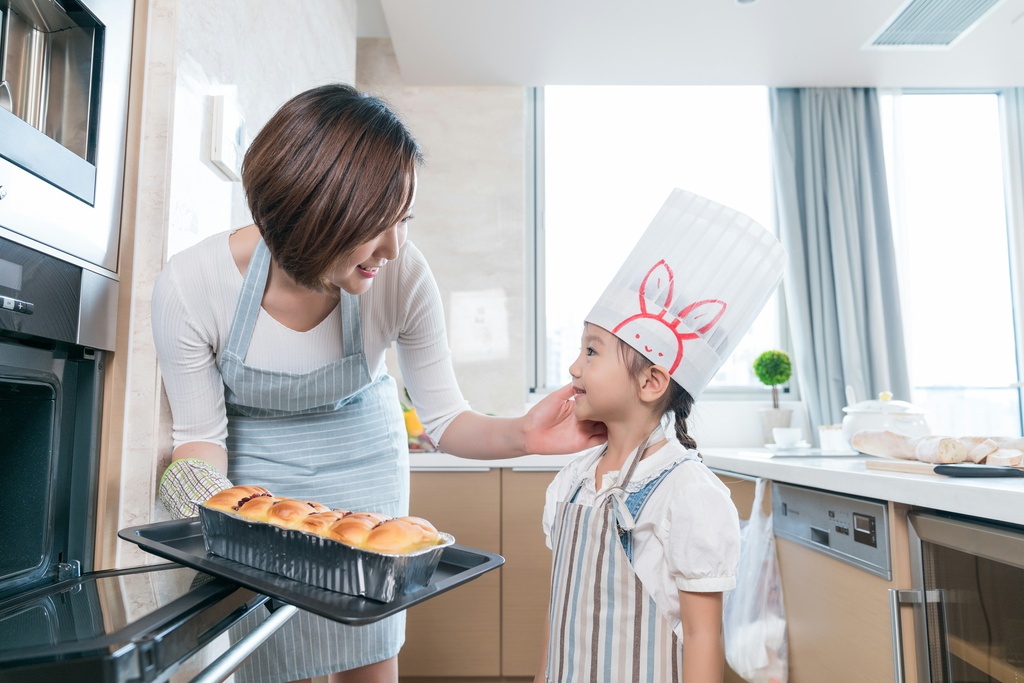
[350, 566]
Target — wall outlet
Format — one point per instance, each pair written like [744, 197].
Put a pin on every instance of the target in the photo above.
[227, 144]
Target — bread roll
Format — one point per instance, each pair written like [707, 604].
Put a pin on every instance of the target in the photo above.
[228, 500]
[257, 509]
[396, 536]
[320, 522]
[352, 529]
[421, 523]
[288, 513]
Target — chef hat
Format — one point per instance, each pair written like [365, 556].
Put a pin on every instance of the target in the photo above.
[691, 288]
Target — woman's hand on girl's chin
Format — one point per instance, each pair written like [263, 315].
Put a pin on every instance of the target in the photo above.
[551, 427]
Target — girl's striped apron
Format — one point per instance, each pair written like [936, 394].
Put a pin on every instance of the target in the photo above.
[605, 626]
[332, 436]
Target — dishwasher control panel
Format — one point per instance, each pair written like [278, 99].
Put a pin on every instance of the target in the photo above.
[854, 530]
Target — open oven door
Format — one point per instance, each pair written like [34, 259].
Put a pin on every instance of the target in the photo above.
[123, 625]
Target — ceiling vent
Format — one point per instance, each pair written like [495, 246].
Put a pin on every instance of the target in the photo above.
[932, 24]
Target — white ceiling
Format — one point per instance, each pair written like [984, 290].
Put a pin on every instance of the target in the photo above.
[684, 42]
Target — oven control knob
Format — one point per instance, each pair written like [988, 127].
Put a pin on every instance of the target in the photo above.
[3, 192]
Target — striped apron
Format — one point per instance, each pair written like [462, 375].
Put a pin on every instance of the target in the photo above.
[605, 626]
[332, 435]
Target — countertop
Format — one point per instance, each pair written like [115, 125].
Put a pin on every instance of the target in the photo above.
[996, 499]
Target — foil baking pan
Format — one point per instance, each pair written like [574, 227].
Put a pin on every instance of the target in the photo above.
[319, 561]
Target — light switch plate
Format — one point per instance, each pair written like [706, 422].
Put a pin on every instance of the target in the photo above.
[227, 144]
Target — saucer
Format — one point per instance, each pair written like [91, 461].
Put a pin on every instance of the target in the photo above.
[795, 447]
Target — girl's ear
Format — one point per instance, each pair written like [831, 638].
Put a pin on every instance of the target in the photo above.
[654, 383]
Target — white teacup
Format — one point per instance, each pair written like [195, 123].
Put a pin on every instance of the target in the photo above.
[787, 436]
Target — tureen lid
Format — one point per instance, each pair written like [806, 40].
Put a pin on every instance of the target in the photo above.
[884, 404]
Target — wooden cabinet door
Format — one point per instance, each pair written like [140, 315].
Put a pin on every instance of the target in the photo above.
[526, 576]
[458, 633]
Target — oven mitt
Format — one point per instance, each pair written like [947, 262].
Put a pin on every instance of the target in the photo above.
[186, 482]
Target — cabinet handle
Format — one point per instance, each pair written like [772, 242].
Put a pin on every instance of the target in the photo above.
[912, 597]
[896, 623]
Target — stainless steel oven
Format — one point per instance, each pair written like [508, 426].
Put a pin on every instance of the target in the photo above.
[968, 597]
[64, 73]
[59, 617]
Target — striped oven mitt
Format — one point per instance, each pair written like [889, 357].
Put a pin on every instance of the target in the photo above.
[189, 481]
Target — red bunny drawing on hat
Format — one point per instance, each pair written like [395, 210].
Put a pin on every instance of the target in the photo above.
[665, 341]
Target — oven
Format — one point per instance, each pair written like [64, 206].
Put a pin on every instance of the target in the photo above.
[59, 617]
[64, 73]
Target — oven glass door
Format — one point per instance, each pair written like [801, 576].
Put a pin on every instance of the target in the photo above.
[973, 577]
[121, 625]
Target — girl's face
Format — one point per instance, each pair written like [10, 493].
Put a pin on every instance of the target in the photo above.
[604, 387]
[354, 273]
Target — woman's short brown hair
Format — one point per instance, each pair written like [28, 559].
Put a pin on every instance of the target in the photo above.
[332, 169]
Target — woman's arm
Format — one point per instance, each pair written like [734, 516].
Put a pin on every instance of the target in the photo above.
[550, 427]
[203, 450]
[703, 648]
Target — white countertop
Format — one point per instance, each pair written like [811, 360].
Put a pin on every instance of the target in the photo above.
[996, 499]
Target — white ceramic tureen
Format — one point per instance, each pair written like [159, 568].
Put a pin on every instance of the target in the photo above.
[884, 413]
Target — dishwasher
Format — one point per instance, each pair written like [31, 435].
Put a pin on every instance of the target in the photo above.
[836, 567]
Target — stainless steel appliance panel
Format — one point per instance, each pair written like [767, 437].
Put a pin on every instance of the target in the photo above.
[65, 67]
[968, 598]
[852, 529]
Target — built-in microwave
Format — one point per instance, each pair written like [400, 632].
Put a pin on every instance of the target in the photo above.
[64, 75]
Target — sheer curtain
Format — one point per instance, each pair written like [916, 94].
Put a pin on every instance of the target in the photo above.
[832, 212]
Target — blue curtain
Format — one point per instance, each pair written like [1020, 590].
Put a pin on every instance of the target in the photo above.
[832, 211]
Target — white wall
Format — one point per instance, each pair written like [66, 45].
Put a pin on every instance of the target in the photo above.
[264, 51]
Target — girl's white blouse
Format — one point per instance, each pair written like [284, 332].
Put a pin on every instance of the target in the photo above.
[686, 536]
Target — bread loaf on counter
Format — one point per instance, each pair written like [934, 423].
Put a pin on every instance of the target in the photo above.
[886, 444]
[990, 450]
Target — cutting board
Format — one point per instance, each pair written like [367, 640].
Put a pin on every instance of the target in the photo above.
[907, 466]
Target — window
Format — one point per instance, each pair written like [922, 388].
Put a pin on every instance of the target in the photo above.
[944, 158]
[610, 157]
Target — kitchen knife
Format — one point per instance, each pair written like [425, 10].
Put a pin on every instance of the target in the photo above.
[970, 470]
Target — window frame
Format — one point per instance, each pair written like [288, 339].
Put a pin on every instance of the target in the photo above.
[536, 325]
[1011, 134]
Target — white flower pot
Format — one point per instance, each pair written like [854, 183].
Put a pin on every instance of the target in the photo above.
[772, 418]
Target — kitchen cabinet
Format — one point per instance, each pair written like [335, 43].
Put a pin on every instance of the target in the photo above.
[490, 628]
[458, 633]
[838, 619]
[526, 575]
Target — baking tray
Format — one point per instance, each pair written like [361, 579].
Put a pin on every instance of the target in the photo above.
[181, 541]
[313, 559]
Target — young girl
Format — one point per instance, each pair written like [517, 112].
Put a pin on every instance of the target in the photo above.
[645, 538]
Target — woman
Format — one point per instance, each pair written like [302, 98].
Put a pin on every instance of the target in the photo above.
[271, 341]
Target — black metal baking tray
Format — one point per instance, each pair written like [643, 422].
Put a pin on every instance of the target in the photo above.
[182, 541]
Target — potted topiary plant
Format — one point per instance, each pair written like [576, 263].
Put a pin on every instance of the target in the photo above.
[773, 369]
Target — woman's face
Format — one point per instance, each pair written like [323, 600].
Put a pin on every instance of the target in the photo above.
[356, 271]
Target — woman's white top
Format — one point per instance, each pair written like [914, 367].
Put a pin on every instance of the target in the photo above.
[193, 304]
[687, 536]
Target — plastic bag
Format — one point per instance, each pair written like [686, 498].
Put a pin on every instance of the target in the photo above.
[754, 616]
